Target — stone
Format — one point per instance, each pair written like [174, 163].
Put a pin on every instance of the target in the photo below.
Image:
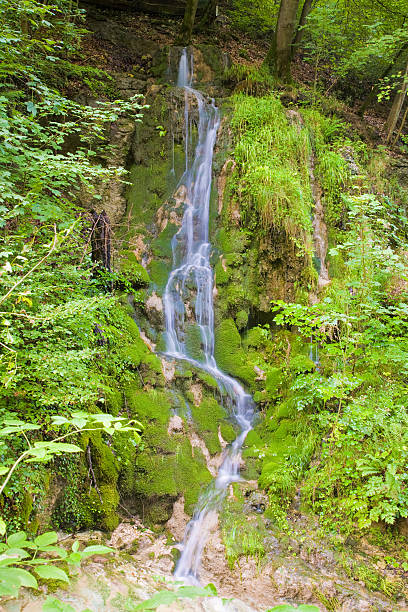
[175, 425]
[154, 311]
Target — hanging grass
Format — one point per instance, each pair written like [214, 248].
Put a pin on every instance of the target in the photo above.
[272, 155]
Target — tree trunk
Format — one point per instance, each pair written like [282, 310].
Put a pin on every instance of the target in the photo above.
[184, 37]
[397, 106]
[369, 99]
[209, 15]
[280, 54]
[101, 239]
[300, 31]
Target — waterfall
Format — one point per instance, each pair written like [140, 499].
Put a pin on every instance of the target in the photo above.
[192, 276]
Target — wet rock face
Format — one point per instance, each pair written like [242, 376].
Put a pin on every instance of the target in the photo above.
[154, 311]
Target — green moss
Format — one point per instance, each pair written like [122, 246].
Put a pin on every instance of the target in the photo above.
[208, 415]
[300, 364]
[131, 355]
[254, 337]
[159, 273]
[222, 275]
[152, 361]
[109, 519]
[104, 463]
[207, 379]
[241, 319]
[212, 442]
[148, 405]
[231, 241]
[192, 475]
[26, 507]
[273, 382]
[162, 478]
[285, 428]
[229, 354]
[113, 400]
[228, 432]
[161, 246]
[285, 409]
[253, 439]
[243, 536]
[193, 342]
[132, 270]
[252, 468]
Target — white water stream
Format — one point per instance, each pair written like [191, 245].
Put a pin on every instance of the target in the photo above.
[192, 279]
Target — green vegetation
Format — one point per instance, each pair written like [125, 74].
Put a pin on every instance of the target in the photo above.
[243, 536]
[25, 560]
[326, 363]
[272, 154]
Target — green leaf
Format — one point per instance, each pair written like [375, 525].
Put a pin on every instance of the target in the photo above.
[59, 420]
[45, 539]
[17, 553]
[31, 107]
[49, 572]
[75, 546]
[16, 539]
[3, 525]
[75, 558]
[17, 576]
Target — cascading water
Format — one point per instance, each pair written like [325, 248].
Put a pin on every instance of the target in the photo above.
[192, 276]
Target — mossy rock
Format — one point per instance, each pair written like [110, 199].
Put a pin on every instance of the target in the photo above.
[228, 432]
[253, 439]
[208, 380]
[133, 271]
[254, 337]
[231, 241]
[127, 324]
[252, 469]
[221, 276]
[165, 477]
[113, 400]
[104, 462]
[212, 442]
[161, 246]
[193, 342]
[300, 364]
[131, 355]
[148, 405]
[152, 361]
[273, 381]
[241, 319]
[285, 410]
[161, 343]
[208, 415]
[229, 354]
[159, 274]
[192, 475]
[107, 506]
[250, 451]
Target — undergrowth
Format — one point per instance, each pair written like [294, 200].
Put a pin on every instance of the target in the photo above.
[272, 155]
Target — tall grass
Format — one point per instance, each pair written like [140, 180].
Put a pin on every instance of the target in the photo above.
[272, 155]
